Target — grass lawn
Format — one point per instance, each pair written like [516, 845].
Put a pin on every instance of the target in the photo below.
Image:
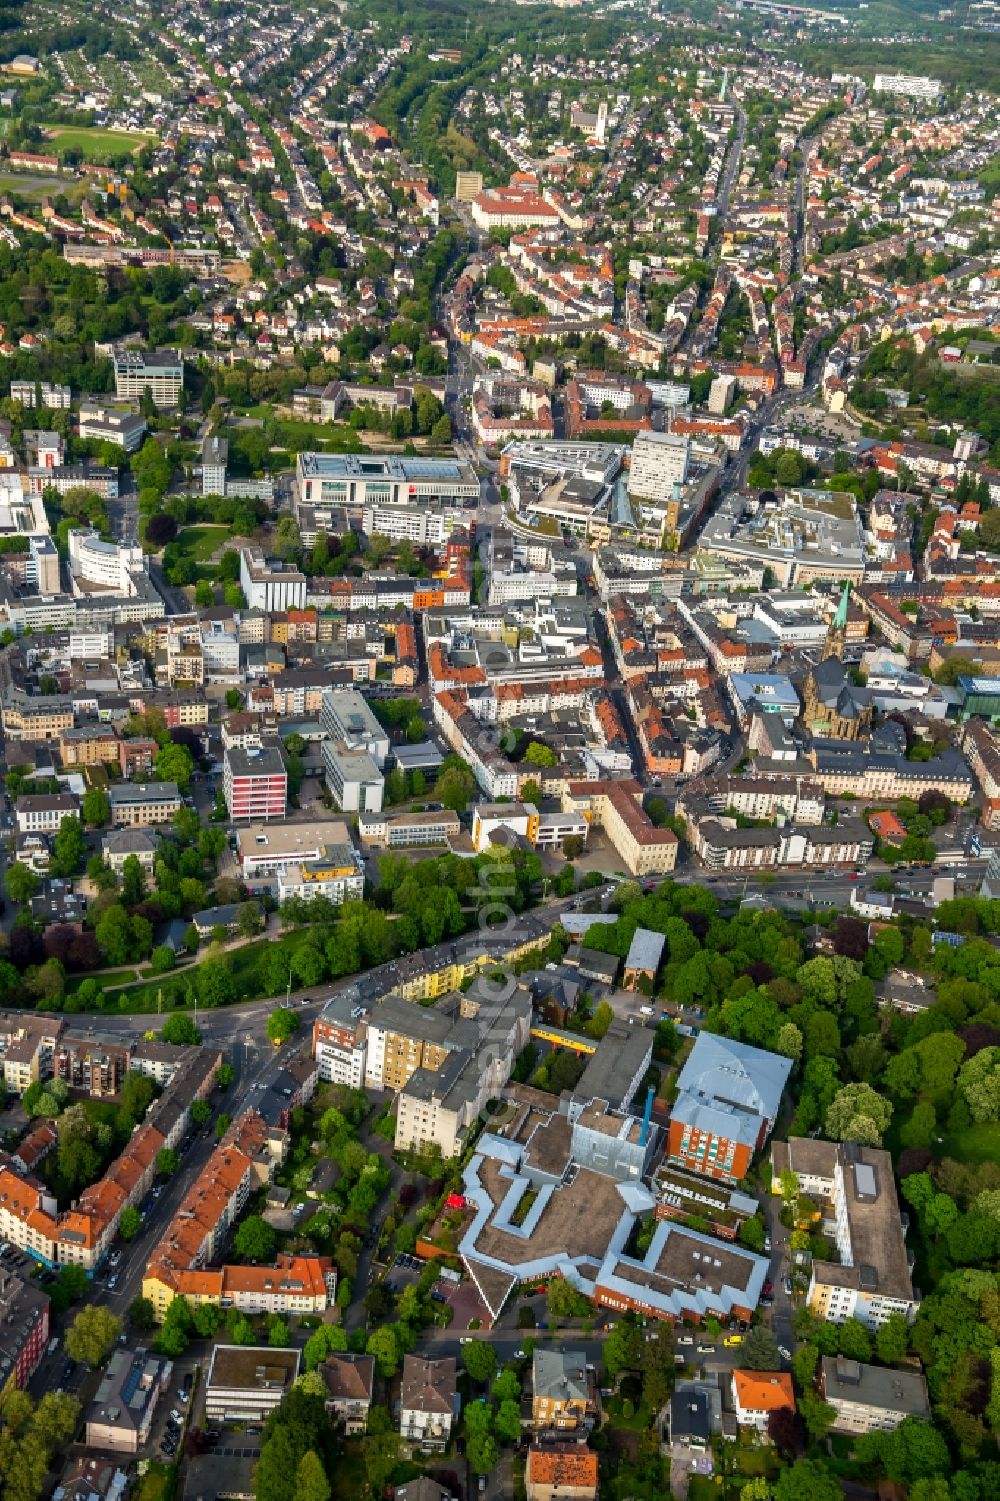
[201, 542]
[974, 1144]
[701, 1488]
[242, 963]
[347, 1478]
[299, 437]
[113, 977]
[158, 1483]
[94, 142]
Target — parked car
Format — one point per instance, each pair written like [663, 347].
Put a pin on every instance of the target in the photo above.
[786, 1283]
[732, 1340]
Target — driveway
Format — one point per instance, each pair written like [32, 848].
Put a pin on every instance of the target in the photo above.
[783, 1309]
[685, 1462]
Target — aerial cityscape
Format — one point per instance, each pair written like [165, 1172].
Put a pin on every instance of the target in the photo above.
[500, 736]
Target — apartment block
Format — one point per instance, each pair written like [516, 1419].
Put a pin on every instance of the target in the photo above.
[868, 1398]
[24, 1315]
[856, 1189]
[339, 1042]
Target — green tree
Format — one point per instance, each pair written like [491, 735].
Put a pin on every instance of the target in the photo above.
[854, 1341]
[818, 1416]
[759, 1350]
[508, 1422]
[162, 959]
[858, 1113]
[383, 1345]
[68, 848]
[255, 1240]
[455, 784]
[130, 1223]
[278, 1333]
[807, 1480]
[480, 1360]
[311, 1483]
[142, 1314]
[167, 1162]
[96, 807]
[181, 1031]
[174, 763]
[22, 883]
[92, 1335]
[622, 1348]
[283, 1024]
[892, 1340]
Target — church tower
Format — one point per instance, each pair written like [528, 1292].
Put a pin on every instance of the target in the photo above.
[836, 636]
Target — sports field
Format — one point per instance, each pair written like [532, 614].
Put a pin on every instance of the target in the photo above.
[95, 142]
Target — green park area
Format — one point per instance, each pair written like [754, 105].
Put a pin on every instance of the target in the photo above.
[238, 974]
[95, 142]
[200, 543]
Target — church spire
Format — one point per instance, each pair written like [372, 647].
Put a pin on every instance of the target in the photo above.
[836, 636]
[840, 619]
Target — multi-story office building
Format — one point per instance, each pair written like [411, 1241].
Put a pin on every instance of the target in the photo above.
[137, 372]
[408, 830]
[214, 459]
[359, 480]
[137, 804]
[44, 813]
[659, 467]
[255, 783]
[354, 780]
[346, 718]
[266, 851]
[616, 806]
[104, 565]
[246, 1383]
[271, 585]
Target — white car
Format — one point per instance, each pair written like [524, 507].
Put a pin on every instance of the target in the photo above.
[466, 1339]
[784, 1352]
